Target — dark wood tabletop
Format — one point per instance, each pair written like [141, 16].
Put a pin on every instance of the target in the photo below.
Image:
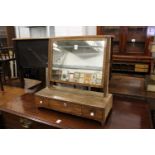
[127, 113]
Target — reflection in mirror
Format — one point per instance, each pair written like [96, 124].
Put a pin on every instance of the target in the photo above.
[78, 61]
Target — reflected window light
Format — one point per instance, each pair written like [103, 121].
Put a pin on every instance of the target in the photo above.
[151, 31]
[55, 45]
[96, 43]
[75, 47]
[57, 49]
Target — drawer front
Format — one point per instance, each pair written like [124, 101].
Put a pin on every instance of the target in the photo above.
[93, 113]
[141, 70]
[75, 109]
[141, 66]
[65, 107]
[16, 122]
[41, 101]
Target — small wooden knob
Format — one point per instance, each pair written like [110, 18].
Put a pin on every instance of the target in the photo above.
[133, 40]
[92, 114]
[58, 121]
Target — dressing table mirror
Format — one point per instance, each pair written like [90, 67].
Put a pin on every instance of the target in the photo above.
[78, 62]
[82, 61]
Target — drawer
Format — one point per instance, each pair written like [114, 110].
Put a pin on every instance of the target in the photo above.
[12, 121]
[141, 66]
[41, 101]
[65, 107]
[93, 113]
[141, 70]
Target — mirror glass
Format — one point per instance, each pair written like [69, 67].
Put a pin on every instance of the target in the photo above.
[78, 61]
